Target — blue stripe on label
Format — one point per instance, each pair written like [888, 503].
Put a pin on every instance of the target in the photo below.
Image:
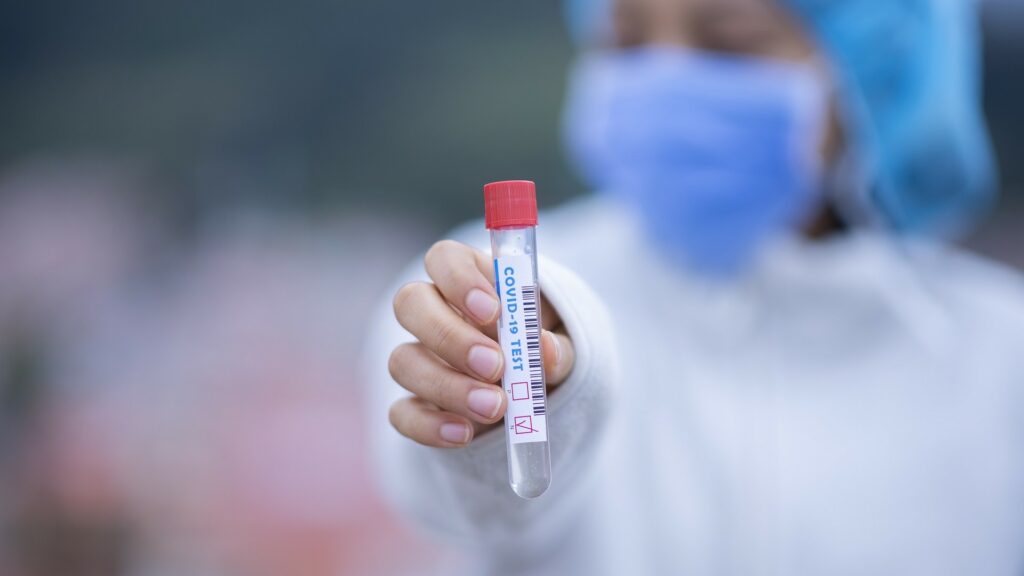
[497, 287]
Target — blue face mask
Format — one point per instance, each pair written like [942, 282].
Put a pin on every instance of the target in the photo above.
[717, 153]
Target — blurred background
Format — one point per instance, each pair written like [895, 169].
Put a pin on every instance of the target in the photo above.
[200, 203]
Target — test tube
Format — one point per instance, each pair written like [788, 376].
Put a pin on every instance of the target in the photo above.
[510, 209]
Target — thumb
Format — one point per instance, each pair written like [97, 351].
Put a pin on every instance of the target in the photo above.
[559, 356]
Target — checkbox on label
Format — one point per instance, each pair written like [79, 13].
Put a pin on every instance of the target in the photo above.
[520, 390]
[523, 425]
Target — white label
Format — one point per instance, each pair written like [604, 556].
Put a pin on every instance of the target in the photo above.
[519, 335]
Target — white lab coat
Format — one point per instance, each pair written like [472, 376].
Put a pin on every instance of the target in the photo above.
[853, 406]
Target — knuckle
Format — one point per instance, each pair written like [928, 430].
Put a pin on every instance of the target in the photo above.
[446, 266]
[395, 416]
[459, 277]
[405, 301]
[438, 250]
[396, 361]
[446, 390]
[402, 297]
[402, 415]
[446, 336]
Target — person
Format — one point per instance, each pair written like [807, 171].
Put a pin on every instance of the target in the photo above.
[764, 355]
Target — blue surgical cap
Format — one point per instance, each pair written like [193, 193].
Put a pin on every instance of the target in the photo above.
[908, 75]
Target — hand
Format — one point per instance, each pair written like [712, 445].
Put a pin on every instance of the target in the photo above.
[453, 366]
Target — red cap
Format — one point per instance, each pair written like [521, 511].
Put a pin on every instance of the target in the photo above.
[510, 204]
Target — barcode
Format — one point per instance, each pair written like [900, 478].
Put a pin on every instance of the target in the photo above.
[533, 348]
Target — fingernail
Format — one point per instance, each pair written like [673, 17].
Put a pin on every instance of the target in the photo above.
[455, 433]
[484, 402]
[558, 348]
[484, 361]
[481, 304]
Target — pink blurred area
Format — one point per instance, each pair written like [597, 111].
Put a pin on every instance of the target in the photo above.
[188, 405]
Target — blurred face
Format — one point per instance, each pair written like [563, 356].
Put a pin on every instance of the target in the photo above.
[712, 120]
[759, 28]
[746, 27]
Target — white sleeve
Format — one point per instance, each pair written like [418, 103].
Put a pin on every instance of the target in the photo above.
[464, 493]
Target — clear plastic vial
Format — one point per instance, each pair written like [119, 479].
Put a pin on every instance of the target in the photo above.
[511, 216]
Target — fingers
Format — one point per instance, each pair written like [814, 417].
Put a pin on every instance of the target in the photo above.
[451, 367]
[446, 403]
[559, 356]
[421, 372]
[416, 419]
[421, 310]
[465, 278]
